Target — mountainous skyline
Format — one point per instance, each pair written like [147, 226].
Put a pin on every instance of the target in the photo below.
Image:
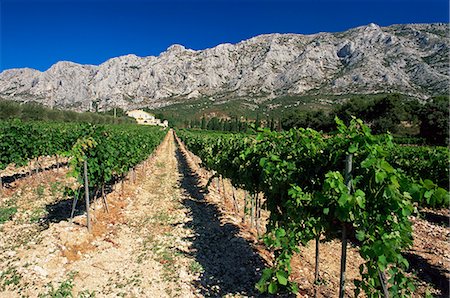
[39, 33]
[409, 59]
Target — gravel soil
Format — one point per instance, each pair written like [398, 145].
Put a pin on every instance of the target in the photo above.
[429, 257]
[162, 237]
[173, 230]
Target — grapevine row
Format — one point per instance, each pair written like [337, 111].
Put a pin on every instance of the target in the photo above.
[110, 150]
[431, 162]
[300, 173]
[21, 142]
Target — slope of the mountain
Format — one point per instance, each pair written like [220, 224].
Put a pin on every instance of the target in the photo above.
[411, 59]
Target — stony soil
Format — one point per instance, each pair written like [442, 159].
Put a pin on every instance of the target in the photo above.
[429, 257]
[172, 232]
[161, 238]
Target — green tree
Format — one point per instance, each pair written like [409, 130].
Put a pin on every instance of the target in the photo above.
[317, 120]
[434, 117]
[213, 124]
[257, 121]
[203, 123]
[381, 113]
[10, 110]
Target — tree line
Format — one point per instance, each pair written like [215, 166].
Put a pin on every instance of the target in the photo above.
[394, 113]
[37, 112]
[233, 124]
[406, 118]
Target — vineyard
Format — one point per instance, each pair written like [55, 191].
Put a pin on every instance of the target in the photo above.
[318, 187]
[171, 222]
[110, 150]
[98, 154]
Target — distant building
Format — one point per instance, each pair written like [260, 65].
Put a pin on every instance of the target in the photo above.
[145, 118]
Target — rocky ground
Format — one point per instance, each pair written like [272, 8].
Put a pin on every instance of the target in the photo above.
[171, 232]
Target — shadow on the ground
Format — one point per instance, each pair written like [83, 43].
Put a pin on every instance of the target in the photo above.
[10, 179]
[230, 266]
[62, 209]
[429, 273]
[438, 219]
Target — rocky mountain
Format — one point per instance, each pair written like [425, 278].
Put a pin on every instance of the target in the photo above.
[411, 59]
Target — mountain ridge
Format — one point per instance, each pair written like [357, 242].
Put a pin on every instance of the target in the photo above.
[410, 59]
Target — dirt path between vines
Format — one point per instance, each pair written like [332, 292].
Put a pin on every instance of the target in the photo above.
[161, 239]
[171, 233]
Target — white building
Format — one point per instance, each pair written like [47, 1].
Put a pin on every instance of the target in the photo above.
[145, 118]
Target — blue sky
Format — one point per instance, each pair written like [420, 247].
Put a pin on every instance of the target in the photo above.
[38, 33]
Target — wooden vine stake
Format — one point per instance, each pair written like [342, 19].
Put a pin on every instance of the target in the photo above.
[236, 206]
[348, 182]
[252, 209]
[104, 198]
[316, 274]
[74, 204]
[86, 193]
[260, 208]
[36, 165]
[383, 283]
[245, 206]
[316, 269]
[257, 213]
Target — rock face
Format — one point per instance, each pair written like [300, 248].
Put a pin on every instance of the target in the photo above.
[411, 59]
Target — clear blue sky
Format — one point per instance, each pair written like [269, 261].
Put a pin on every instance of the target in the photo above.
[38, 33]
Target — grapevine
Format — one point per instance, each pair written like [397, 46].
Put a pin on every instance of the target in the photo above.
[300, 174]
